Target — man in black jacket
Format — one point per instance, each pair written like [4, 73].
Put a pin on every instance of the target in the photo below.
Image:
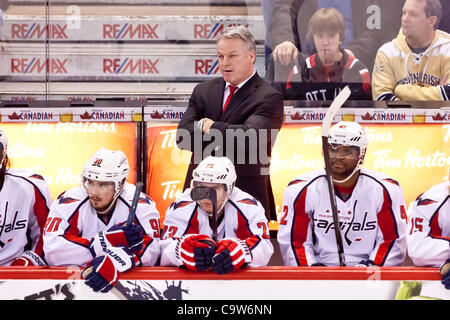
[242, 125]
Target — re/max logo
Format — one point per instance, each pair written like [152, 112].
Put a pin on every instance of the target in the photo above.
[26, 31]
[130, 65]
[37, 65]
[130, 31]
[206, 66]
[210, 31]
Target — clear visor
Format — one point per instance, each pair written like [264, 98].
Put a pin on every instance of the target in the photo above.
[98, 187]
[343, 151]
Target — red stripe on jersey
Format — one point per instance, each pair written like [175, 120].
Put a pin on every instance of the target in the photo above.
[243, 229]
[252, 241]
[40, 210]
[193, 226]
[435, 229]
[312, 60]
[388, 227]
[288, 83]
[349, 61]
[72, 233]
[365, 76]
[300, 229]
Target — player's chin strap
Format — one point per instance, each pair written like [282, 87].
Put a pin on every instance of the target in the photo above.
[346, 179]
[353, 172]
[3, 159]
[113, 202]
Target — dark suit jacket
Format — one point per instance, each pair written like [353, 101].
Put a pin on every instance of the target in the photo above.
[291, 17]
[256, 105]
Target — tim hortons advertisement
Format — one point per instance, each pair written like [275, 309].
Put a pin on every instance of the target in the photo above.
[115, 28]
[58, 151]
[409, 153]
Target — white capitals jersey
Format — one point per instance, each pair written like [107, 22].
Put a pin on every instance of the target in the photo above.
[243, 218]
[73, 222]
[24, 204]
[429, 227]
[372, 222]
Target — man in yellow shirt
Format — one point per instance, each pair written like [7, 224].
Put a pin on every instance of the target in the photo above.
[415, 65]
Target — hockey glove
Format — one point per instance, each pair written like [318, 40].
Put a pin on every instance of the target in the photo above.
[231, 255]
[195, 251]
[445, 272]
[104, 271]
[29, 258]
[131, 237]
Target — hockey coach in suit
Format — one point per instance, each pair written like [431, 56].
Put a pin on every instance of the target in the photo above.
[237, 115]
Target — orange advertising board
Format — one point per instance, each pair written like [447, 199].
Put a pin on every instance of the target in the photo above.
[58, 151]
[416, 155]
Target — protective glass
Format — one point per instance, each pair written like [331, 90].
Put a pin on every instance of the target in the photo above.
[98, 187]
[343, 151]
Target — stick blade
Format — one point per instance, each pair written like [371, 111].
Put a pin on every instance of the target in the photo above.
[334, 108]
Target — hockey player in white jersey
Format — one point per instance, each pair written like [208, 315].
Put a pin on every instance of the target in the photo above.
[87, 228]
[242, 229]
[429, 230]
[370, 205]
[24, 204]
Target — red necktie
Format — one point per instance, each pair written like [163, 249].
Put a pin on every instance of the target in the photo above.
[232, 91]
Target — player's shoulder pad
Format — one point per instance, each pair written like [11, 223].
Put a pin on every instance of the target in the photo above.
[244, 199]
[74, 195]
[26, 174]
[433, 196]
[182, 201]
[383, 178]
[128, 195]
[305, 178]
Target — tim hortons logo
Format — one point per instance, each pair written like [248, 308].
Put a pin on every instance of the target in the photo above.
[210, 31]
[119, 31]
[206, 66]
[130, 66]
[38, 65]
[36, 31]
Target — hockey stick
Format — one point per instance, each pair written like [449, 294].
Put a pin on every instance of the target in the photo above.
[134, 203]
[203, 192]
[332, 111]
[130, 219]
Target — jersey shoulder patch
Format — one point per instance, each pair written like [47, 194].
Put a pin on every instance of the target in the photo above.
[249, 201]
[66, 200]
[390, 180]
[180, 204]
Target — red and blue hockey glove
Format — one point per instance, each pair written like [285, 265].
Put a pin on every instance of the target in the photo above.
[29, 258]
[131, 237]
[195, 251]
[104, 271]
[445, 272]
[231, 255]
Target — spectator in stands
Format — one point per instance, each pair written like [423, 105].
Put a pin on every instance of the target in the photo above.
[241, 125]
[370, 206]
[369, 24]
[415, 65]
[87, 224]
[225, 236]
[445, 21]
[429, 225]
[25, 201]
[322, 75]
